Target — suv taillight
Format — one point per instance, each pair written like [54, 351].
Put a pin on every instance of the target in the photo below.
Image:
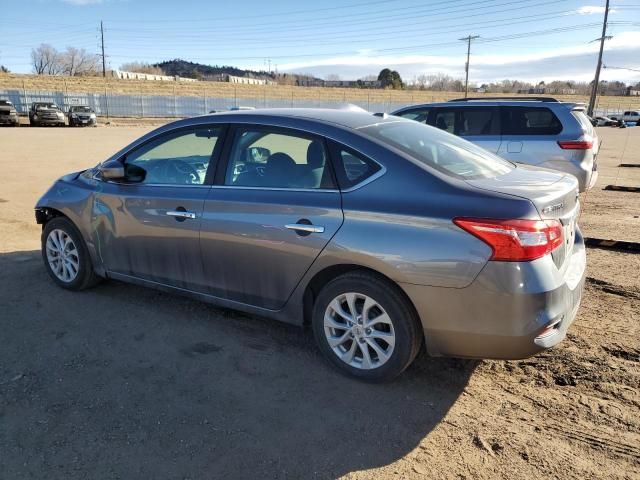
[575, 144]
[515, 240]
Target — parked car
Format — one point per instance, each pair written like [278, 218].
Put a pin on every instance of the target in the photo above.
[592, 120]
[538, 131]
[45, 113]
[8, 114]
[380, 232]
[80, 115]
[631, 116]
[605, 122]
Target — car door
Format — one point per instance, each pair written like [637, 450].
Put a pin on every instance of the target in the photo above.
[529, 134]
[272, 210]
[148, 226]
[477, 124]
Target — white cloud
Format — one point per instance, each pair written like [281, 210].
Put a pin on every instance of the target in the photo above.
[82, 2]
[590, 10]
[576, 62]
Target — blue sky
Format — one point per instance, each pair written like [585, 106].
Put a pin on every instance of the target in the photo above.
[525, 39]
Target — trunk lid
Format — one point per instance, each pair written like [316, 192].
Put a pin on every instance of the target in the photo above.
[554, 195]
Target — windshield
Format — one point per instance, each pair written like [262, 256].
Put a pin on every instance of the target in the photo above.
[440, 150]
[5, 103]
[42, 106]
[81, 109]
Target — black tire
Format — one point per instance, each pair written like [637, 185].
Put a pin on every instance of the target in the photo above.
[86, 277]
[406, 325]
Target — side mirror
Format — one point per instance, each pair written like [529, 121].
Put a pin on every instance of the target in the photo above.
[259, 154]
[112, 170]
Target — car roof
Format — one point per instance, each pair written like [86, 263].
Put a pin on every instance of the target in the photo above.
[492, 103]
[345, 117]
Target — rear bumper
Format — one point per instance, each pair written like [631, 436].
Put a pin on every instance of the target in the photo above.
[504, 311]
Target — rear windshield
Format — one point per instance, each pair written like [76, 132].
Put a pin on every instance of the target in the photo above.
[440, 150]
[6, 103]
[80, 109]
[42, 106]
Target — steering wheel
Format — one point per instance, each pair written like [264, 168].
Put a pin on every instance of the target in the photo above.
[181, 172]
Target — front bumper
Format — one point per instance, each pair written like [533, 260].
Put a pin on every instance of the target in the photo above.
[9, 119]
[83, 121]
[52, 121]
[504, 311]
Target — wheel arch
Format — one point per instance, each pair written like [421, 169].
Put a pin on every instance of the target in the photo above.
[327, 274]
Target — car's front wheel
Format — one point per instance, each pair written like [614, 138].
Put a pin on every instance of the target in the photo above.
[65, 255]
[366, 327]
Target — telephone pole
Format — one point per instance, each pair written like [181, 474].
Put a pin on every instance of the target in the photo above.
[466, 67]
[596, 83]
[104, 63]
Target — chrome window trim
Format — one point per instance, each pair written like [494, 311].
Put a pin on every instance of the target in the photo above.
[277, 189]
[369, 179]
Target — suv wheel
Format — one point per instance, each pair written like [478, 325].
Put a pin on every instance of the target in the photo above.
[65, 255]
[365, 327]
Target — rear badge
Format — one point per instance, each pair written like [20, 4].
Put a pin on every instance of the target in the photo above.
[553, 208]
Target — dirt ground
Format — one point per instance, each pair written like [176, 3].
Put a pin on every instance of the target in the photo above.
[125, 382]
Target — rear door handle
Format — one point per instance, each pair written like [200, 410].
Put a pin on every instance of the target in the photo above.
[181, 214]
[301, 227]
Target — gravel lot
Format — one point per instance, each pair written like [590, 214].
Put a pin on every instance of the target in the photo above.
[125, 382]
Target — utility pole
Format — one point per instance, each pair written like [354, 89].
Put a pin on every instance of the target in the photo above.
[466, 67]
[104, 63]
[596, 83]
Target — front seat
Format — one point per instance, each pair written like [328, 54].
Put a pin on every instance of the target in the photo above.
[315, 165]
[280, 171]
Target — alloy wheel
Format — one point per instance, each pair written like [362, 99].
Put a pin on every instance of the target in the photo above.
[359, 331]
[62, 255]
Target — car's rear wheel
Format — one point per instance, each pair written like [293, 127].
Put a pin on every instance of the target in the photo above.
[65, 255]
[366, 327]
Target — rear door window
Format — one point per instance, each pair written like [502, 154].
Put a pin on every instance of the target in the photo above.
[466, 121]
[529, 121]
[444, 119]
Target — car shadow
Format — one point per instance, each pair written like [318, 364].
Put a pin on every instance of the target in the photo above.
[125, 382]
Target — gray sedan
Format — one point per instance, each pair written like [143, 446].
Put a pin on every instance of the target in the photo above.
[381, 233]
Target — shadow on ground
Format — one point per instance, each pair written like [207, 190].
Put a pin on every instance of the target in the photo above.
[126, 382]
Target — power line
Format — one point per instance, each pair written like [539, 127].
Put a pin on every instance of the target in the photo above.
[407, 48]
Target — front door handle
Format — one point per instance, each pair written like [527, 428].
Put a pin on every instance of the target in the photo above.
[301, 227]
[181, 214]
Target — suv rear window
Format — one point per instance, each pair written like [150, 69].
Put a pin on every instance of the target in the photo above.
[529, 121]
[446, 153]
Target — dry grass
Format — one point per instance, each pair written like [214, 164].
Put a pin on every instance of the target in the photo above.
[218, 89]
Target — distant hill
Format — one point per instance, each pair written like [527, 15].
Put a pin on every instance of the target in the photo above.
[188, 69]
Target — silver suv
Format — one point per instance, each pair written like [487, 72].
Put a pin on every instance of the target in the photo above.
[538, 131]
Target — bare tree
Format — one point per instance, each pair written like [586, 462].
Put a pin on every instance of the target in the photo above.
[77, 61]
[141, 67]
[333, 77]
[46, 60]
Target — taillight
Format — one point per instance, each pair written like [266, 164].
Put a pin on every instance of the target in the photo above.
[575, 144]
[515, 240]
